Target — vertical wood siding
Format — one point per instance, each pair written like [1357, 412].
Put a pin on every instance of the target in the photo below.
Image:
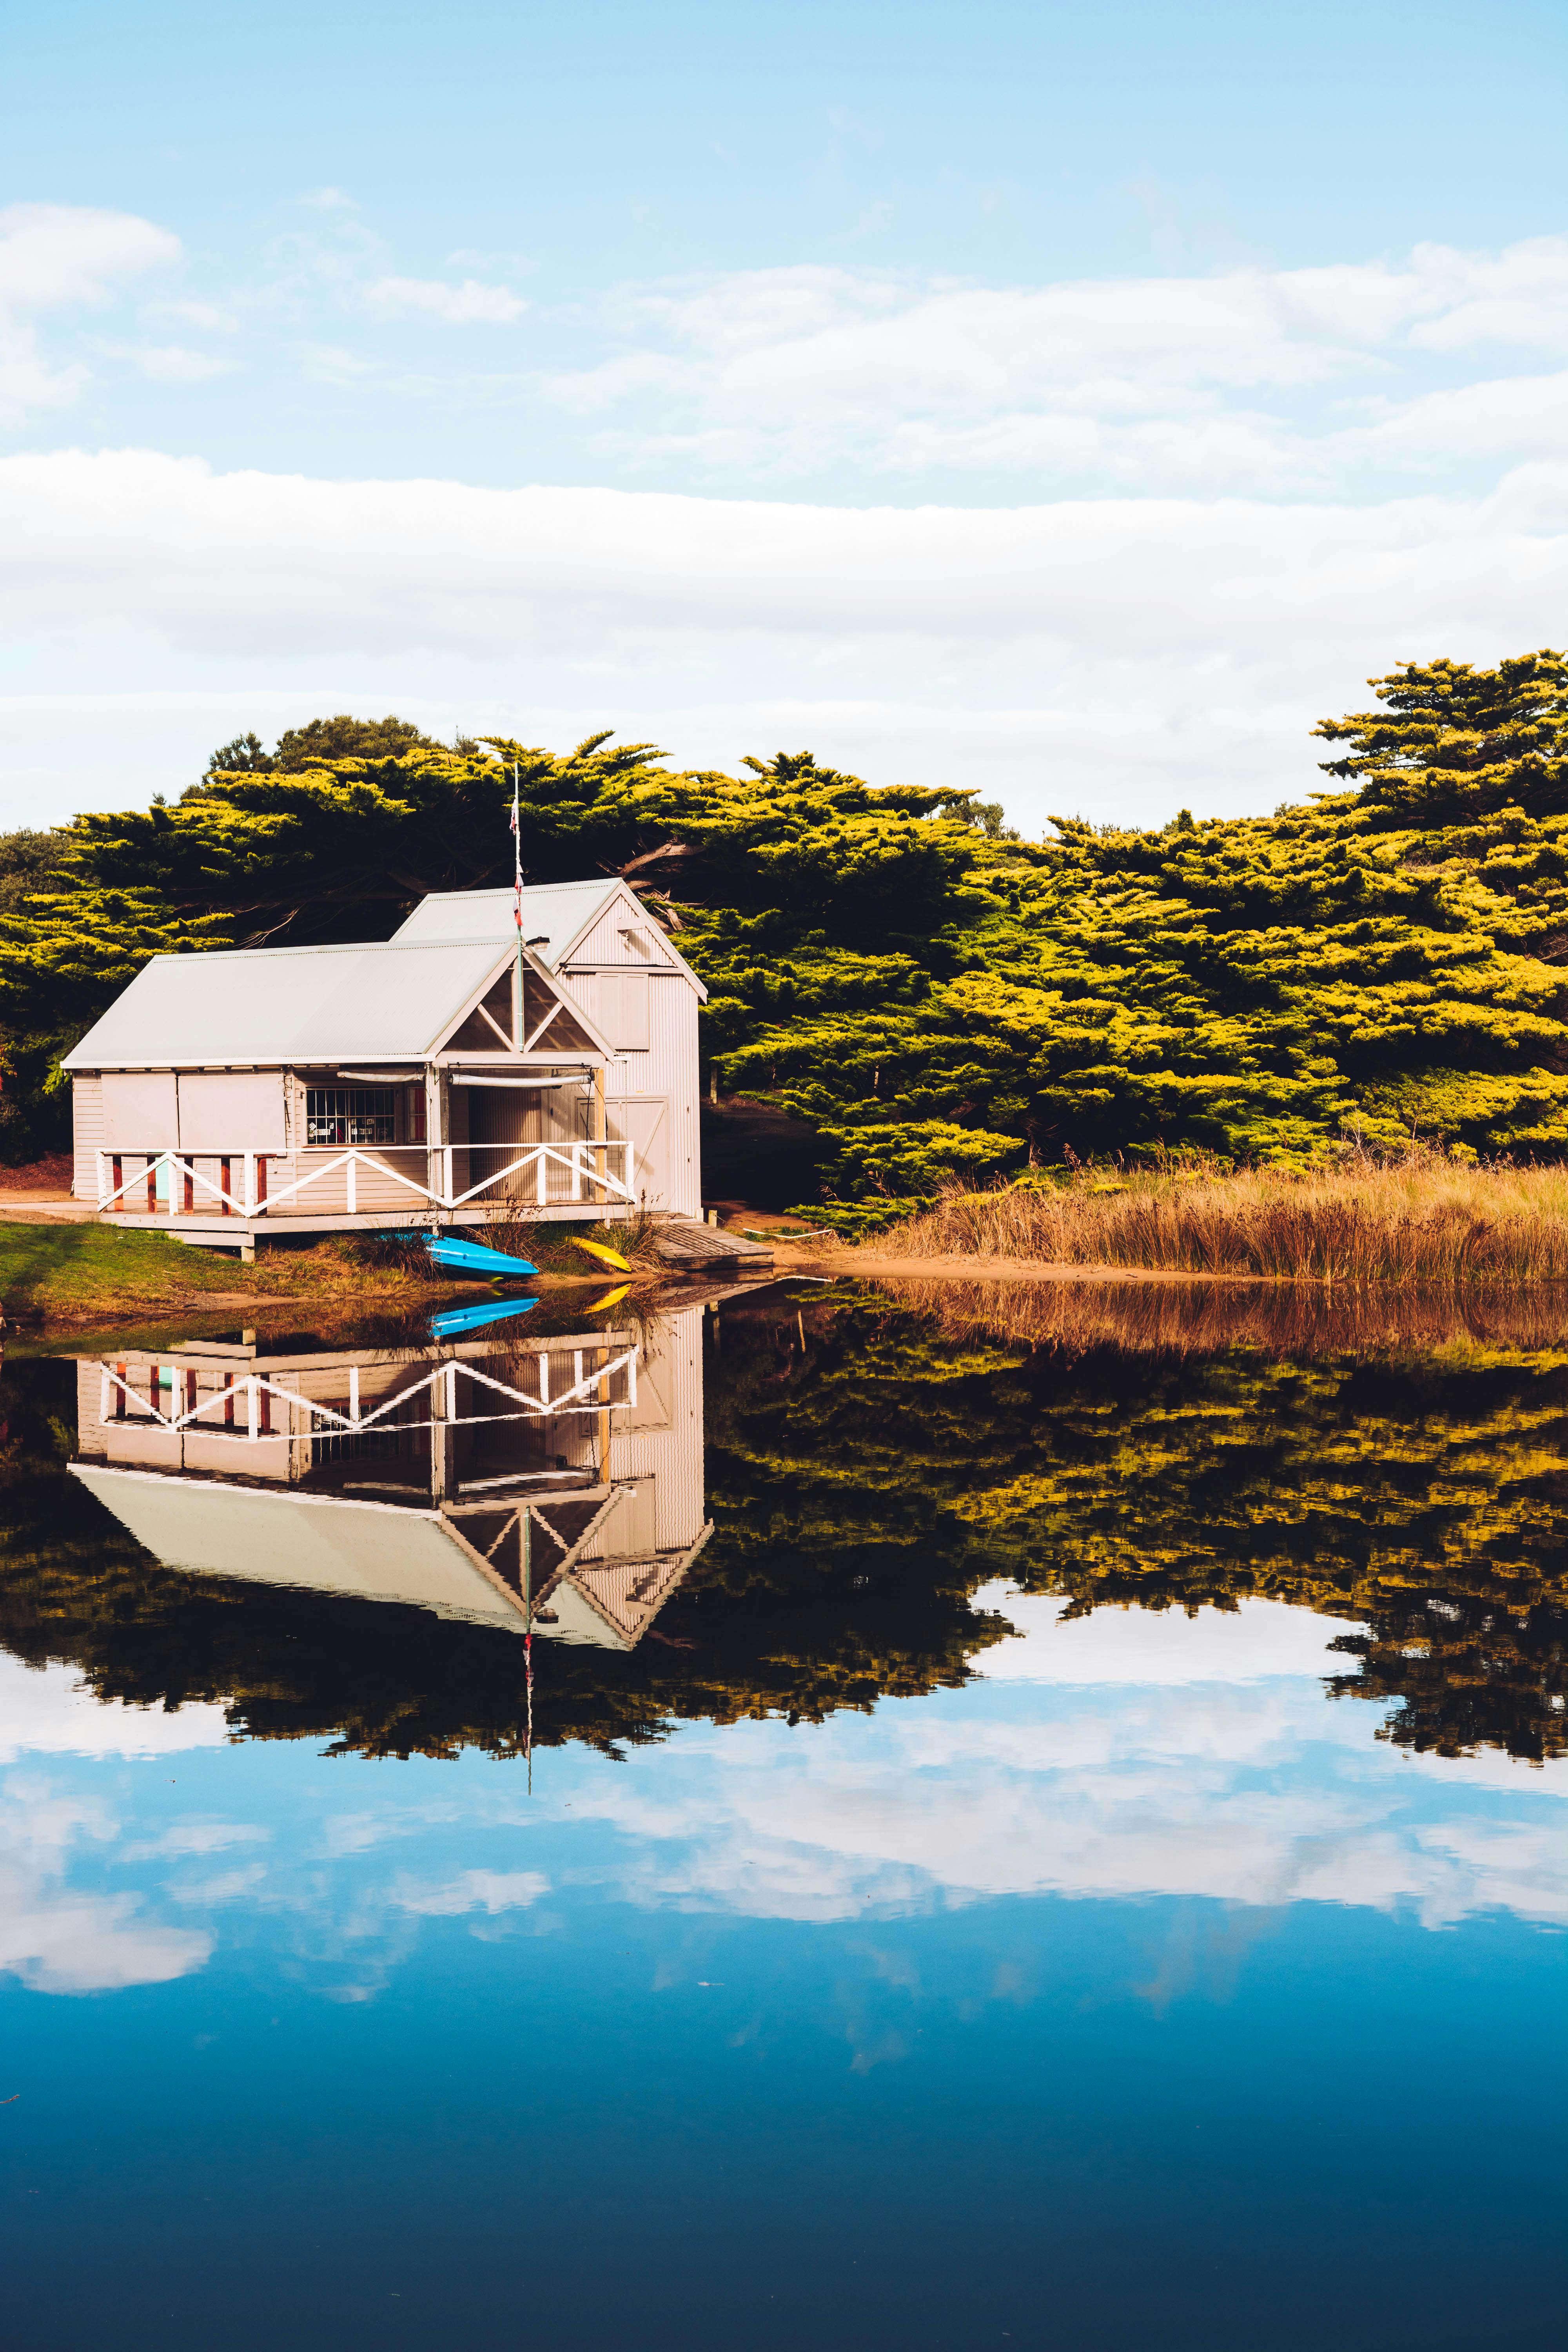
[667, 1072]
[87, 1122]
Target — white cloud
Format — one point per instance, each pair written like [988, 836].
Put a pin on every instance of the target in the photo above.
[1113, 657]
[1527, 412]
[616, 577]
[801, 360]
[1229, 448]
[330, 364]
[1519, 296]
[471, 303]
[1209, 560]
[56, 256]
[171, 362]
[208, 318]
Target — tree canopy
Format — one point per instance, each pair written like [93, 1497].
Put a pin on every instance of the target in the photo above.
[930, 994]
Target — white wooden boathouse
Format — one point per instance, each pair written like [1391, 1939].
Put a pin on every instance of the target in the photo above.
[434, 1079]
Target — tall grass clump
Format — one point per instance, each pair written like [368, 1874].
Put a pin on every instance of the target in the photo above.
[1418, 1219]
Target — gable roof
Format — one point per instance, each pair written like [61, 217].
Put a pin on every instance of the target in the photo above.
[555, 916]
[281, 1005]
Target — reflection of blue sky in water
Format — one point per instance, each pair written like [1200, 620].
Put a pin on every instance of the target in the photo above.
[1125, 1756]
[1132, 1994]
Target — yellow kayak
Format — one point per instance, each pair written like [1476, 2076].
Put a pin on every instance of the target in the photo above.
[605, 1256]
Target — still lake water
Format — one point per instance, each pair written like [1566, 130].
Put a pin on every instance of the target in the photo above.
[1015, 1836]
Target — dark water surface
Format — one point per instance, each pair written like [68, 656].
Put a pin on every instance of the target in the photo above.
[1047, 1837]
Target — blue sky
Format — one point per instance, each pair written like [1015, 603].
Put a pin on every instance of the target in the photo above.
[1072, 405]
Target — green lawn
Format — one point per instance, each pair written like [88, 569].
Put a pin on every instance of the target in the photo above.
[96, 1273]
[65, 1275]
[100, 1270]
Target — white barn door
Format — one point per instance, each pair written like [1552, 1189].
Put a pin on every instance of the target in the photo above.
[643, 1120]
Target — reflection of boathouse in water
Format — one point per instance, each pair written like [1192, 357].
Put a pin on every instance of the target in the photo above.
[559, 1478]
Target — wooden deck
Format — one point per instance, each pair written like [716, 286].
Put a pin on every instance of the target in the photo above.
[707, 1249]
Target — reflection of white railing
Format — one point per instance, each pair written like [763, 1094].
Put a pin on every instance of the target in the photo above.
[587, 1169]
[591, 1391]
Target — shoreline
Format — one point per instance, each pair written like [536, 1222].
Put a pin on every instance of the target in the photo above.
[953, 1267]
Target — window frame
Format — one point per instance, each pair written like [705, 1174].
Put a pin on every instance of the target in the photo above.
[358, 1125]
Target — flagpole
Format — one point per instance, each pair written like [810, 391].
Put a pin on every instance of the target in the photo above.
[517, 902]
[527, 1549]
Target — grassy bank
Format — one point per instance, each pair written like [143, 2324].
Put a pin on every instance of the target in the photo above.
[69, 1277]
[1419, 1220]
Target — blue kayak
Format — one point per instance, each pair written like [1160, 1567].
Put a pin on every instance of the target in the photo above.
[460, 1256]
[470, 1318]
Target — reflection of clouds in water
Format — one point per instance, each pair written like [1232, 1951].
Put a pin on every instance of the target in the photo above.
[1118, 1757]
[52, 1711]
[1257, 1640]
[472, 1890]
[224, 1886]
[55, 1937]
[195, 1836]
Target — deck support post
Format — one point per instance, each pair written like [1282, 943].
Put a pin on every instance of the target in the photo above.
[432, 1132]
[601, 1135]
[441, 1463]
[439, 1130]
[298, 1427]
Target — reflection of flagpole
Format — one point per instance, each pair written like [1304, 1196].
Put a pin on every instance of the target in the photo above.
[527, 1549]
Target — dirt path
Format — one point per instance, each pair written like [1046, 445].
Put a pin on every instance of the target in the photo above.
[44, 1209]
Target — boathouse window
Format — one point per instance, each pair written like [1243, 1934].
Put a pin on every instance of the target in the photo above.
[337, 1116]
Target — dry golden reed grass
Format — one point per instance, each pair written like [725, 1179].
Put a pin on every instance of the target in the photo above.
[1419, 1220]
[1204, 1318]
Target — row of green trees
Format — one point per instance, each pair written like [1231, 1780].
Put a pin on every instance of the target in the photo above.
[930, 994]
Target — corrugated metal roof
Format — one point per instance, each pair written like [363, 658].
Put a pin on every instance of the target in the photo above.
[287, 1004]
[373, 1552]
[553, 914]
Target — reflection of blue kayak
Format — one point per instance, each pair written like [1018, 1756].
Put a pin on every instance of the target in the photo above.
[470, 1318]
[457, 1254]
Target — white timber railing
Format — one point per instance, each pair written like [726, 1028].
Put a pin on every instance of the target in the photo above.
[590, 1390]
[557, 1174]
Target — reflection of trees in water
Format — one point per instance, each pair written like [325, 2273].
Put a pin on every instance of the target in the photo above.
[868, 1470]
[383, 1681]
[1420, 1486]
